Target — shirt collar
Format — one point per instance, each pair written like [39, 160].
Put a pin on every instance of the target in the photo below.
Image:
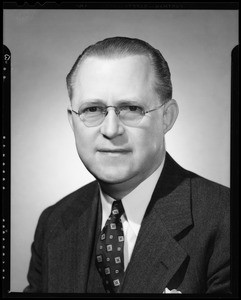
[139, 197]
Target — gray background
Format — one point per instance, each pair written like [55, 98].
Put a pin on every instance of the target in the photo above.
[45, 43]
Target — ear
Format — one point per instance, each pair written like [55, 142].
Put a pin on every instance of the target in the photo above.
[170, 114]
[70, 117]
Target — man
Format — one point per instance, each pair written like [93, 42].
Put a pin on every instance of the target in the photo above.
[145, 225]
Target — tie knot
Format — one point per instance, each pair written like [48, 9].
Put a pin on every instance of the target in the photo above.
[117, 208]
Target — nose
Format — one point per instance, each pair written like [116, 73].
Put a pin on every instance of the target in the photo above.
[111, 126]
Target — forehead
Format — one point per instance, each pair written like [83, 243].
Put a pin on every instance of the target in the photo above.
[95, 65]
[110, 77]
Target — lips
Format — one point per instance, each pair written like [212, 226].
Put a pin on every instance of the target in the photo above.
[116, 150]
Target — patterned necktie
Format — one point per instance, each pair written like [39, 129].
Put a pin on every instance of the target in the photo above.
[109, 250]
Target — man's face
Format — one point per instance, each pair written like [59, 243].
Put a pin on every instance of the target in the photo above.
[113, 152]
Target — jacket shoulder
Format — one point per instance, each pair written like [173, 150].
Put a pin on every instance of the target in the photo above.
[210, 200]
[72, 206]
[76, 198]
[205, 188]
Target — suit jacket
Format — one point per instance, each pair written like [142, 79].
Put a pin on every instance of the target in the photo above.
[183, 242]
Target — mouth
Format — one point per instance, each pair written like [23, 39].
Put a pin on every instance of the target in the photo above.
[117, 150]
[114, 151]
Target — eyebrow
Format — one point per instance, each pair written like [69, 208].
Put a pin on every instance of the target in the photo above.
[134, 101]
[92, 101]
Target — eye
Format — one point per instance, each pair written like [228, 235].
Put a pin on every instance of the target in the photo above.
[93, 109]
[134, 108]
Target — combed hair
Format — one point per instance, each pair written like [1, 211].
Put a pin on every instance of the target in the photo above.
[122, 47]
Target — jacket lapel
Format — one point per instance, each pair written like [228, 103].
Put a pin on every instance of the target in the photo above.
[157, 255]
[69, 255]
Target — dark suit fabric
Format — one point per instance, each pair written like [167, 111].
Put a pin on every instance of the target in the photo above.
[183, 242]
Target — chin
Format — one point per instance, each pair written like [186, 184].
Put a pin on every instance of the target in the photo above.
[115, 176]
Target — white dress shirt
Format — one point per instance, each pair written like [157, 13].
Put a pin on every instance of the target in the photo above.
[135, 205]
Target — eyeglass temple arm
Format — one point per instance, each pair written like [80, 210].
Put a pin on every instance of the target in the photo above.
[75, 112]
[147, 111]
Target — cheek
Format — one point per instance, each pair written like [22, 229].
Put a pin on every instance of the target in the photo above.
[84, 142]
[148, 142]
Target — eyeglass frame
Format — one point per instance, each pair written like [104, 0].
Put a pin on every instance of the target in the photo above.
[117, 111]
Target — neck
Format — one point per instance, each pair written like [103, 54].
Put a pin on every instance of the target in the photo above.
[117, 190]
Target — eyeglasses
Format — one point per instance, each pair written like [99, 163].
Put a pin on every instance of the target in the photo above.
[130, 115]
